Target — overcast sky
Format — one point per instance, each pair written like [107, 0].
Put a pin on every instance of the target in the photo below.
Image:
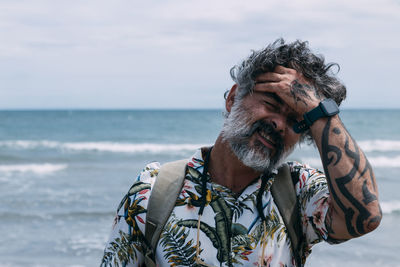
[177, 54]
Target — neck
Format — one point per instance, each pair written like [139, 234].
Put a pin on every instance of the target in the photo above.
[227, 170]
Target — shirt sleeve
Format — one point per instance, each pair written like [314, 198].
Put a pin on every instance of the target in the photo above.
[125, 245]
[313, 194]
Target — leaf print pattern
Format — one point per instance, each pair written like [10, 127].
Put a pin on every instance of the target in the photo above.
[177, 249]
[123, 249]
[232, 232]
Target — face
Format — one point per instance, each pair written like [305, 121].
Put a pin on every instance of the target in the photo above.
[259, 131]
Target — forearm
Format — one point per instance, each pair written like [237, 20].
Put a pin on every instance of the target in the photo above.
[354, 209]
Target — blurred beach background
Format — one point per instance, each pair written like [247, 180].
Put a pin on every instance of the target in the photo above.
[63, 173]
[91, 91]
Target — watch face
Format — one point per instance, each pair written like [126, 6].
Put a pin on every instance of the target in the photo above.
[329, 107]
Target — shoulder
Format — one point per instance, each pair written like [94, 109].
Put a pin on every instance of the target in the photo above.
[140, 190]
[148, 174]
[125, 241]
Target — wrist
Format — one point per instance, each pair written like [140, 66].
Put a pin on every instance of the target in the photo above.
[326, 108]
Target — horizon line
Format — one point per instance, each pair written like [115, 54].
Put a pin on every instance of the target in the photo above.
[161, 109]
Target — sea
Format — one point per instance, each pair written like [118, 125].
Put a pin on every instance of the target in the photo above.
[64, 172]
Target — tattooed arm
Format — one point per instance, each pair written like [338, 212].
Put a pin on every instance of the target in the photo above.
[354, 209]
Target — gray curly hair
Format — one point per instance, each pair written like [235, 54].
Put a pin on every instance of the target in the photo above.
[295, 55]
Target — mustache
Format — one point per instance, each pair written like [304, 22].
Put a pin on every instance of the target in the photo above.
[268, 129]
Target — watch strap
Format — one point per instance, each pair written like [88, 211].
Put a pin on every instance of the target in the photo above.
[313, 115]
[300, 127]
[326, 108]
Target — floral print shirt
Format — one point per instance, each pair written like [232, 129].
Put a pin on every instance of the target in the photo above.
[231, 231]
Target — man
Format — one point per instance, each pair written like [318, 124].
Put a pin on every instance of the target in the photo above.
[225, 214]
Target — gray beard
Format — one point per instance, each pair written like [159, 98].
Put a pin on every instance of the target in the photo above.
[237, 133]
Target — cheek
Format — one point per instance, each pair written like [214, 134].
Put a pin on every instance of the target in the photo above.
[292, 139]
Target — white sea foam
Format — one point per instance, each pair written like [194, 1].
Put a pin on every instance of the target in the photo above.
[130, 147]
[390, 162]
[41, 169]
[116, 147]
[84, 243]
[390, 206]
[367, 146]
[29, 144]
[379, 145]
[313, 162]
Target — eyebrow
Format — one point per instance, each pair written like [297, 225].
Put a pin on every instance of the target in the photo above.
[274, 96]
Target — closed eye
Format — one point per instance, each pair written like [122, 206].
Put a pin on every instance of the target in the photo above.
[272, 105]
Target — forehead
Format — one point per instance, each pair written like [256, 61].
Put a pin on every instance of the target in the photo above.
[271, 95]
[259, 98]
[266, 95]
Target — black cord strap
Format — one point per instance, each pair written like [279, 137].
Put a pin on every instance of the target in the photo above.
[204, 181]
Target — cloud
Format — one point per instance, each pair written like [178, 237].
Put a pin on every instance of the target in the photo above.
[118, 47]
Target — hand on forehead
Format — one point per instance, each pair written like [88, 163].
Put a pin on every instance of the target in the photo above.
[280, 73]
[290, 86]
[268, 82]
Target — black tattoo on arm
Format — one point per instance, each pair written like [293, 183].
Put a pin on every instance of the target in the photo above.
[368, 196]
[376, 219]
[300, 91]
[356, 214]
[336, 130]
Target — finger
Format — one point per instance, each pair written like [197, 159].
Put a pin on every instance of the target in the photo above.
[269, 77]
[271, 87]
[283, 70]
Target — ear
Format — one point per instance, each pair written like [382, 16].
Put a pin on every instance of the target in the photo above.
[230, 99]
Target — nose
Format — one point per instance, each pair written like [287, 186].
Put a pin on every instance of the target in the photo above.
[279, 123]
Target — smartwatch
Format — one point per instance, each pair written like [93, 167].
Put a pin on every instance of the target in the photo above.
[326, 108]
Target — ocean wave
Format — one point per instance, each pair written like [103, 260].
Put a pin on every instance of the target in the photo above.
[12, 216]
[114, 147]
[379, 145]
[29, 144]
[84, 243]
[83, 214]
[76, 215]
[376, 145]
[41, 169]
[390, 206]
[393, 162]
[130, 147]
[121, 147]
[313, 162]
[379, 162]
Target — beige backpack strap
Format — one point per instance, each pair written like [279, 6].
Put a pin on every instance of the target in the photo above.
[169, 183]
[164, 193]
[285, 198]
